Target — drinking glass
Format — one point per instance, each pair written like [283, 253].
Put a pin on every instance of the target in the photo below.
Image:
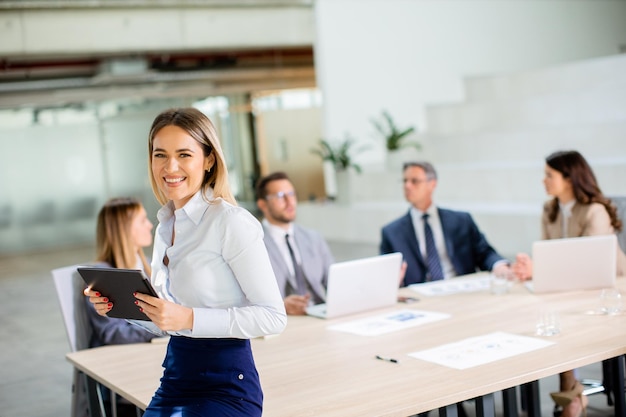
[548, 323]
[610, 301]
[500, 282]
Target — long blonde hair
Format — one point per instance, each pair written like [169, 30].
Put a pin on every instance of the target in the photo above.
[113, 240]
[199, 127]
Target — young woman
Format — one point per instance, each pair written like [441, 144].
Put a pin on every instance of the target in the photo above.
[123, 230]
[213, 275]
[578, 208]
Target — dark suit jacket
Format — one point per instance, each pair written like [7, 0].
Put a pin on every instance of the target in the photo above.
[466, 245]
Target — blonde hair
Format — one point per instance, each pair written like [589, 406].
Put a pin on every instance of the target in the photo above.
[113, 240]
[200, 128]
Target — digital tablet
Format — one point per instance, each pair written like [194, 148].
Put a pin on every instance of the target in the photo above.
[118, 285]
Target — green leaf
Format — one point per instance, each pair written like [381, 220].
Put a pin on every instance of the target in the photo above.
[340, 154]
[392, 135]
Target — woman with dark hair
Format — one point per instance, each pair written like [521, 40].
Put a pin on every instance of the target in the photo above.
[212, 272]
[578, 208]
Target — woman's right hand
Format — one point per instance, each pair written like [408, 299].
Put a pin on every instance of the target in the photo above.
[523, 267]
[101, 304]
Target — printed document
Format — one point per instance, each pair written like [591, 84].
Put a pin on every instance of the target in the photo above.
[472, 283]
[480, 350]
[390, 322]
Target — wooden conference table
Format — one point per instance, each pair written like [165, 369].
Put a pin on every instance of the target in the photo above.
[310, 370]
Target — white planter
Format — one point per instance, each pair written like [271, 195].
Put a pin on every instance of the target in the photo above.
[397, 158]
[344, 188]
[330, 179]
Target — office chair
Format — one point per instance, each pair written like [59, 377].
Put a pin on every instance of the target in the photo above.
[86, 393]
[593, 386]
[620, 204]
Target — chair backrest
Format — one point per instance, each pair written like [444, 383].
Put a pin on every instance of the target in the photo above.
[620, 204]
[69, 286]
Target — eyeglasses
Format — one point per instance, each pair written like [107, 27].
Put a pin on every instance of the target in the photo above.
[281, 195]
[415, 181]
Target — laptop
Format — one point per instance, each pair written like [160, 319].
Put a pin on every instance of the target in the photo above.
[580, 263]
[360, 285]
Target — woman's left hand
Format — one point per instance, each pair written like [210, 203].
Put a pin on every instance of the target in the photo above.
[166, 315]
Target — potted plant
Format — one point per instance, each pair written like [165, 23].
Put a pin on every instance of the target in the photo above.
[337, 159]
[395, 139]
[339, 155]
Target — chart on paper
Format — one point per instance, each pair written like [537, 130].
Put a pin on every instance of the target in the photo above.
[480, 350]
[391, 322]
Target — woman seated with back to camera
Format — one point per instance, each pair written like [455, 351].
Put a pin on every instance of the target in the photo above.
[123, 230]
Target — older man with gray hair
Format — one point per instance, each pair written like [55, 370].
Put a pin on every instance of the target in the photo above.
[436, 243]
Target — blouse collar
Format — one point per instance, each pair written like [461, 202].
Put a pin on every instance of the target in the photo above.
[566, 208]
[194, 209]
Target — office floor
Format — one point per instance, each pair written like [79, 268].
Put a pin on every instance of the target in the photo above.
[36, 379]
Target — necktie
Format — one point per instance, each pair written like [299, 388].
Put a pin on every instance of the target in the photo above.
[300, 280]
[432, 257]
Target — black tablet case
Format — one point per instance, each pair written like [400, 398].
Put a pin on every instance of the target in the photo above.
[118, 285]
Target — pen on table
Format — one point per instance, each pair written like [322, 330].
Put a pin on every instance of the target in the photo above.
[382, 358]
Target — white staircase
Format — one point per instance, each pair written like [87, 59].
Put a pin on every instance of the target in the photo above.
[489, 152]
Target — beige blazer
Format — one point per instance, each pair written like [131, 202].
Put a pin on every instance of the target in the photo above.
[586, 220]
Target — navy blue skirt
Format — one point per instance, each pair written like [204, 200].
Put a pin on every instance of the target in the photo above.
[207, 377]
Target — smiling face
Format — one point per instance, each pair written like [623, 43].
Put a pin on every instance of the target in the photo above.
[178, 164]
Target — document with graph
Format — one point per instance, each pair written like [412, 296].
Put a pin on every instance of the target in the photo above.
[480, 350]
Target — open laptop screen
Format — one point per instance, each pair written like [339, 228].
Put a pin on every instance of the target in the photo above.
[571, 264]
[360, 285]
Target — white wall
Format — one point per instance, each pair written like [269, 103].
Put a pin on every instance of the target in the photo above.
[402, 55]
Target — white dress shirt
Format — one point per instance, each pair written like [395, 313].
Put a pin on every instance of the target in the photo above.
[440, 243]
[218, 265]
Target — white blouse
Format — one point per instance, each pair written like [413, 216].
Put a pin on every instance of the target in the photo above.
[218, 265]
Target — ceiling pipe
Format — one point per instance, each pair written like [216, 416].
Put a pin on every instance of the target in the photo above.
[138, 4]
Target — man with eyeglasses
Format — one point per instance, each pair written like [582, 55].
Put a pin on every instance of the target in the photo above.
[436, 243]
[300, 256]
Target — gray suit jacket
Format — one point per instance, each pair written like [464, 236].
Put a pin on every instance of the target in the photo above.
[316, 259]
